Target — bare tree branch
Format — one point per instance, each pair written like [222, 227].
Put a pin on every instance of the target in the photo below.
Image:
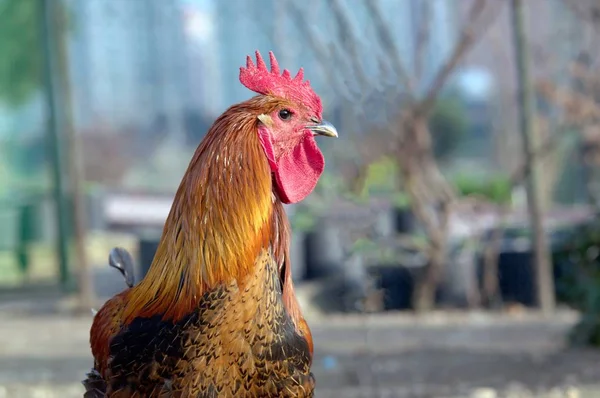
[410, 141]
[545, 149]
[389, 44]
[468, 36]
[315, 42]
[591, 14]
[349, 40]
[422, 39]
[579, 109]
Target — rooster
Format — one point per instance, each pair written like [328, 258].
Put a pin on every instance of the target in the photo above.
[216, 314]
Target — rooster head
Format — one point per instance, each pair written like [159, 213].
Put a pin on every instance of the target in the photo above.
[287, 131]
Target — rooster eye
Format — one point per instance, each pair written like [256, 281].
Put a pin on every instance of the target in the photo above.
[285, 114]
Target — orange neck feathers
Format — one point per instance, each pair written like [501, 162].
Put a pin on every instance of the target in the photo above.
[223, 215]
[220, 219]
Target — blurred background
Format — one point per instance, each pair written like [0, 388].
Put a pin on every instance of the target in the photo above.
[451, 247]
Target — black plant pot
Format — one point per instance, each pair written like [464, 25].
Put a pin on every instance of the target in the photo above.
[397, 284]
[148, 244]
[405, 220]
[516, 277]
[345, 291]
[323, 252]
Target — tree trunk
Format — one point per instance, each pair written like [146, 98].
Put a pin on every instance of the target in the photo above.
[75, 176]
[490, 297]
[543, 257]
[430, 197]
[423, 297]
[425, 288]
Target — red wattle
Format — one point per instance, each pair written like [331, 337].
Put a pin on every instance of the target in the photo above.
[298, 171]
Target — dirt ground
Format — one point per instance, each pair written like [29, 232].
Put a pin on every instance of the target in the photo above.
[44, 352]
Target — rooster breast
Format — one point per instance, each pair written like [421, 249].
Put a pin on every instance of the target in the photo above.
[239, 342]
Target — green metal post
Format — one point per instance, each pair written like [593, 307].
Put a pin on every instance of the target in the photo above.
[542, 256]
[57, 152]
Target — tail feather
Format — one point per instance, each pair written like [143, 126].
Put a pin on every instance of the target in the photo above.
[95, 387]
[120, 259]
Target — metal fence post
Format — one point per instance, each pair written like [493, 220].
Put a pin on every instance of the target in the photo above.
[56, 147]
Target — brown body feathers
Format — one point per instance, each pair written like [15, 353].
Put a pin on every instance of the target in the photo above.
[216, 315]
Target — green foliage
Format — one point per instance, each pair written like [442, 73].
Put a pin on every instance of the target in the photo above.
[303, 219]
[364, 245]
[449, 124]
[401, 200]
[497, 189]
[21, 54]
[381, 177]
[579, 283]
[385, 253]
[374, 250]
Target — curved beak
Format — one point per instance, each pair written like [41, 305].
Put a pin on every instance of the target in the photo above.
[323, 128]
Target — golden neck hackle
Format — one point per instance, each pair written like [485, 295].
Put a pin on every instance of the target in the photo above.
[220, 219]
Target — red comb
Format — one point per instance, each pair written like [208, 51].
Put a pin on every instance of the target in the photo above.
[260, 80]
